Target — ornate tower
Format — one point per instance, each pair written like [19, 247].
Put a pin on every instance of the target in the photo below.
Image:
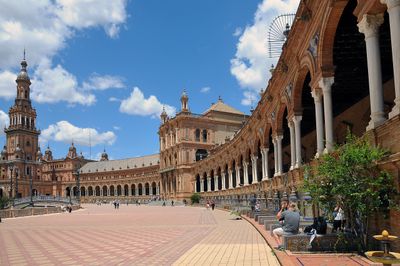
[22, 135]
[184, 102]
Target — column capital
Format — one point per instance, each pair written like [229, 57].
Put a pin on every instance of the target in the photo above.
[297, 118]
[245, 163]
[278, 137]
[264, 150]
[317, 95]
[369, 24]
[391, 3]
[254, 157]
[326, 84]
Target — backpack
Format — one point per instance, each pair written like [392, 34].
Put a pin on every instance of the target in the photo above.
[320, 225]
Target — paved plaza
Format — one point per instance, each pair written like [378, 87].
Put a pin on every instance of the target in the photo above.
[132, 235]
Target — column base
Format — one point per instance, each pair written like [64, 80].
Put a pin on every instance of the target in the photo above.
[255, 182]
[374, 124]
[297, 165]
[395, 111]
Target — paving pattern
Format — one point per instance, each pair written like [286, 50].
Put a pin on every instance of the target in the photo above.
[145, 235]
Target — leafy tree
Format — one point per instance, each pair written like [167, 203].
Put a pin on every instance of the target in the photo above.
[195, 198]
[4, 202]
[351, 177]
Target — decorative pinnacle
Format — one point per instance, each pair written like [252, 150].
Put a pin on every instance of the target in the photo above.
[24, 53]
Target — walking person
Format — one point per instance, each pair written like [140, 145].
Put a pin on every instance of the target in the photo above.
[172, 203]
[212, 205]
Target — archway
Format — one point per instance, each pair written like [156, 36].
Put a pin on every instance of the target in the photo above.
[126, 190]
[198, 182]
[105, 194]
[140, 189]
[83, 191]
[90, 191]
[97, 189]
[133, 190]
[68, 192]
[119, 190]
[147, 189]
[201, 154]
[112, 191]
[153, 188]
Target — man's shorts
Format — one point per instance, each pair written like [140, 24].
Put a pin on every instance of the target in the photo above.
[278, 231]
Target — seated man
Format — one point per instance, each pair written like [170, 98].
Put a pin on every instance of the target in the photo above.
[291, 221]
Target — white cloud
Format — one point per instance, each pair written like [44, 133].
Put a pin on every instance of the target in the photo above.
[238, 31]
[91, 13]
[251, 63]
[137, 104]
[114, 99]
[4, 121]
[116, 128]
[66, 132]
[53, 85]
[7, 85]
[44, 27]
[97, 82]
[250, 98]
[205, 89]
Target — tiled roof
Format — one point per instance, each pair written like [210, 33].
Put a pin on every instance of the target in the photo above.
[220, 106]
[123, 164]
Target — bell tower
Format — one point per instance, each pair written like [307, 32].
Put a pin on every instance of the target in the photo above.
[21, 134]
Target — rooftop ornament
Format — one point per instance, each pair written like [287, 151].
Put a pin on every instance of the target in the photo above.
[278, 33]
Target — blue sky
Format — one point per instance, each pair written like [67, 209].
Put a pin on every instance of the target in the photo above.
[105, 69]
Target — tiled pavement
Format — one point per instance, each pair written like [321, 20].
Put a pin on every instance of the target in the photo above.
[100, 235]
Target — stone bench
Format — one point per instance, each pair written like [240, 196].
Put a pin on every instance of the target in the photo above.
[263, 218]
[302, 225]
[257, 215]
[322, 243]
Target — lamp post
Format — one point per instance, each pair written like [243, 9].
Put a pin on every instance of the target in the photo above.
[11, 167]
[16, 183]
[30, 186]
[78, 190]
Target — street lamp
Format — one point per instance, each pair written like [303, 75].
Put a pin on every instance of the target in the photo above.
[11, 166]
[30, 186]
[78, 190]
[16, 183]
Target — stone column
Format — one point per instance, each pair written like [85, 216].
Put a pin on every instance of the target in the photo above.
[279, 153]
[245, 173]
[201, 184]
[264, 153]
[326, 86]
[137, 190]
[254, 159]
[292, 145]
[208, 183]
[157, 190]
[317, 94]
[223, 179]
[297, 130]
[230, 178]
[195, 186]
[369, 25]
[275, 156]
[216, 183]
[393, 8]
[237, 175]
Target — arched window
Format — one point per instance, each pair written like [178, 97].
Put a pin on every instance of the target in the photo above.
[201, 154]
[197, 135]
[204, 135]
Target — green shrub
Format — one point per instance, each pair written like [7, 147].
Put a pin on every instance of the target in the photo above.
[4, 202]
[195, 198]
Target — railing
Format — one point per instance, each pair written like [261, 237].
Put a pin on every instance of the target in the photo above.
[49, 199]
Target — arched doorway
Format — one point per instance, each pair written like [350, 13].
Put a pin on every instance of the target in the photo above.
[105, 194]
[126, 190]
[97, 190]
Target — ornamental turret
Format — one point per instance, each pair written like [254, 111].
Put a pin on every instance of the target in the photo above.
[72, 151]
[104, 156]
[164, 116]
[184, 102]
[48, 154]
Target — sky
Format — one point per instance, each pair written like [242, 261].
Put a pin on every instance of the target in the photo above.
[102, 71]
